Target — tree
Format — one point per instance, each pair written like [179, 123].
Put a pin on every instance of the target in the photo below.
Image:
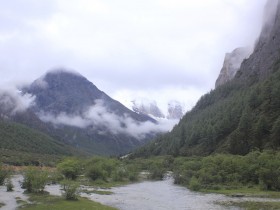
[70, 168]
[35, 180]
[275, 133]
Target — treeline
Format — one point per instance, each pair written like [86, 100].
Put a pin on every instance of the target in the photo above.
[230, 171]
[235, 118]
[17, 137]
[256, 170]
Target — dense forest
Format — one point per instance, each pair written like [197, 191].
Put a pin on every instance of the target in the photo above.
[21, 145]
[236, 118]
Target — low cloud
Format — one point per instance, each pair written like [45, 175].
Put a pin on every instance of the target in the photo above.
[12, 101]
[98, 116]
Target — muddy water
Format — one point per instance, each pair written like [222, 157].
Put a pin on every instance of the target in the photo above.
[10, 198]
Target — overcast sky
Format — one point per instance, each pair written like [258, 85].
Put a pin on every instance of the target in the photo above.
[157, 49]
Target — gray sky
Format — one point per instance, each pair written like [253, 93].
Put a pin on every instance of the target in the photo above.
[157, 49]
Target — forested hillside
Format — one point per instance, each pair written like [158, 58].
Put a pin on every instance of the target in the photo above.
[235, 118]
[20, 144]
[240, 116]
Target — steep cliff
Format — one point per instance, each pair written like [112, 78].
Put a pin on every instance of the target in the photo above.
[266, 54]
[232, 64]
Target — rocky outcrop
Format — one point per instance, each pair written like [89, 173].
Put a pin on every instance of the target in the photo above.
[267, 49]
[175, 110]
[232, 64]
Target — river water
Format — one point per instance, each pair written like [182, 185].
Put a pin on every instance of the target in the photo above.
[148, 195]
[164, 195]
[10, 198]
[159, 195]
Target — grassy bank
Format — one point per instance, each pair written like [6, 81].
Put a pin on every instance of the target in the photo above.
[250, 205]
[46, 202]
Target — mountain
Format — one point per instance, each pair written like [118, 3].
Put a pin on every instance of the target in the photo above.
[232, 64]
[71, 93]
[264, 60]
[175, 109]
[147, 107]
[72, 110]
[239, 116]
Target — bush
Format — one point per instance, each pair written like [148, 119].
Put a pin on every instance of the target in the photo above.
[35, 180]
[70, 168]
[194, 184]
[70, 190]
[4, 173]
[96, 172]
[9, 185]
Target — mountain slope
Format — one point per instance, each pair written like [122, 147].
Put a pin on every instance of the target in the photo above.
[72, 110]
[239, 116]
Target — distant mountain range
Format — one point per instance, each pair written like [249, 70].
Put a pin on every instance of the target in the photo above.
[175, 110]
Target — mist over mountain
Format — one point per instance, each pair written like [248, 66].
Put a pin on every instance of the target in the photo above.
[232, 64]
[174, 110]
[240, 115]
[66, 106]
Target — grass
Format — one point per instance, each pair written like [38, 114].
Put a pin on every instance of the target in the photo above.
[46, 202]
[245, 191]
[101, 183]
[252, 205]
[2, 204]
[100, 192]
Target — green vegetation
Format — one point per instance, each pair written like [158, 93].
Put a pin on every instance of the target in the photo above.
[70, 168]
[250, 205]
[35, 180]
[70, 189]
[14, 136]
[219, 172]
[4, 174]
[235, 118]
[21, 145]
[9, 185]
[19, 158]
[46, 202]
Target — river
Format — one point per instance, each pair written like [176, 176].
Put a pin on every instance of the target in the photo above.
[159, 195]
[147, 195]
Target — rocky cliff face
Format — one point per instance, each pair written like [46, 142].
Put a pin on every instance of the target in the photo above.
[175, 110]
[232, 64]
[266, 53]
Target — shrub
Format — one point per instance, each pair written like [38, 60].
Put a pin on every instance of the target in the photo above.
[70, 189]
[4, 173]
[9, 185]
[96, 172]
[194, 184]
[70, 168]
[35, 180]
